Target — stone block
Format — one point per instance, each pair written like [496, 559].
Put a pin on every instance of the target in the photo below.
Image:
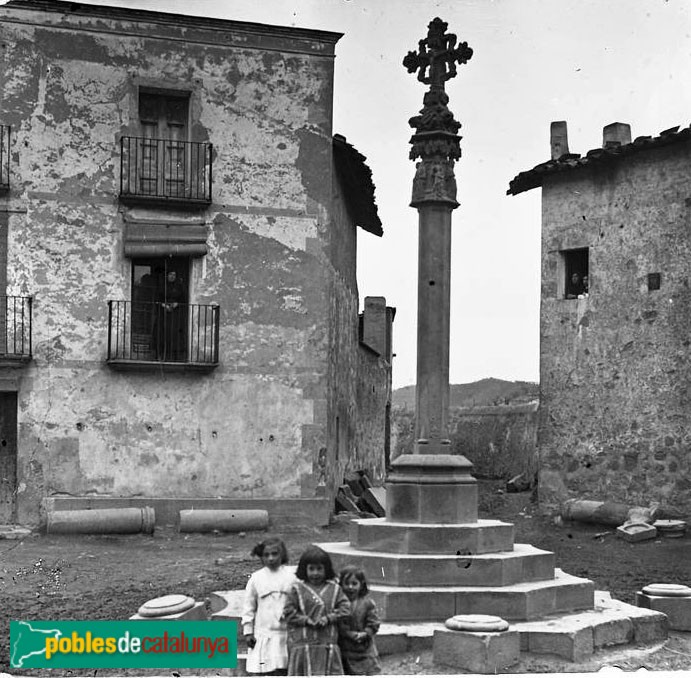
[432, 503]
[634, 532]
[476, 652]
[413, 603]
[613, 632]
[392, 639]
[579, 595]
[402, 503]
[386, 535]
[676, 608]
[574, 644]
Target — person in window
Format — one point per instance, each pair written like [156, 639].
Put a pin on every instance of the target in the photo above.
[575, 287]
[585, 285]
[171, 321]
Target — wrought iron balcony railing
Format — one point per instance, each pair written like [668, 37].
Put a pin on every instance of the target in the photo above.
[4, 158]
[165, 171]
[146, 333]
[15, 329]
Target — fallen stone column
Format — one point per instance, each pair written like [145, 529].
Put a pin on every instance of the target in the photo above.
[597, 512]
[223, 520]
[102, 521]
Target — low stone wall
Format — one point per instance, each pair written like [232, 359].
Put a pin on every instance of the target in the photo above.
[500, 441]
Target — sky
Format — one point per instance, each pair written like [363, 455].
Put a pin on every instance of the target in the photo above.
[588, 62]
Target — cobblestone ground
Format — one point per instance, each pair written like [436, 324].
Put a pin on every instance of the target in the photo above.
[109, 577]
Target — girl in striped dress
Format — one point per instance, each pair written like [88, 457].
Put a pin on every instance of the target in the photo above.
[314, 608]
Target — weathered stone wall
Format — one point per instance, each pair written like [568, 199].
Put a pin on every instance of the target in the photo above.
[255, 426]
[359, 378]
[615, 413]
[373, 398]
[500, 441]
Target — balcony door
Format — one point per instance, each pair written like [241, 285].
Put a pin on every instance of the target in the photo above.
[160, 310]
[8, 456]
[163, 162]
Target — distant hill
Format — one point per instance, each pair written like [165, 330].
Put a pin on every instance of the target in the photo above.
[478, 393]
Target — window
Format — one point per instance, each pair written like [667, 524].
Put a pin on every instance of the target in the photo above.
[161, 165]
[160, 296]
[575, 271]
[163, 119]
[654, 281]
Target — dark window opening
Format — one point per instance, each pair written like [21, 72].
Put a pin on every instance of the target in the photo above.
[654, 281]
[159, 308]
[576, 270]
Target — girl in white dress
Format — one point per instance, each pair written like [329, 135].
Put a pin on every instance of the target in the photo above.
[265, 631]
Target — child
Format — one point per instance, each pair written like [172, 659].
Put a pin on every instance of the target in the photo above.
[356, 632]
[267, 590]
[315, 605]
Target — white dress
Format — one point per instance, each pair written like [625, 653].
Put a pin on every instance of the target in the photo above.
[262, 613]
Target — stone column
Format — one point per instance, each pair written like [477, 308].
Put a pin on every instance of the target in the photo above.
[431, 485]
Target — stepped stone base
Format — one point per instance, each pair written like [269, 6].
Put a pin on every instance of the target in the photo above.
[573, 636]
[523, 601]
[524, 563]
[380, 534]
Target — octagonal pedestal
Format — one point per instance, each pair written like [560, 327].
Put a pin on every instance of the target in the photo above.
[450, 504]
[432, 488]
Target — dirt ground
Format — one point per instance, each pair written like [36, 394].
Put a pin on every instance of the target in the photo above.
[109, 577]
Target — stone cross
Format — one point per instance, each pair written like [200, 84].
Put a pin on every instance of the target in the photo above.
[437, 56]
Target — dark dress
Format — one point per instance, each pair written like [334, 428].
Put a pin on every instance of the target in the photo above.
[360, 657]
[314, 651]
[171, 322]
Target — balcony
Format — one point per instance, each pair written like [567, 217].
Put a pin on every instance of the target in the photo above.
[172, 337]
[4, 159]
[15, 331]
[165, 172]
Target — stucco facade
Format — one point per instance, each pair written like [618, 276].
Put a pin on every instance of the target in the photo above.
[247, 408]
[615, 365]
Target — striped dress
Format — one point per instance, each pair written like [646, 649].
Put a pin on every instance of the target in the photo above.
[314, 651]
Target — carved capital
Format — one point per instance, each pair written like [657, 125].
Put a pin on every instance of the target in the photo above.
[435, 146]
[434, 182]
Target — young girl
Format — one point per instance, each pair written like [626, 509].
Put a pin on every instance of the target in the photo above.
[315, 605]
[267, 590]
[356, 631]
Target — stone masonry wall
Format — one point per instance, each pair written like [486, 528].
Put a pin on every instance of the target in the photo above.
[615, 413]
[500, 441]
[255, 426]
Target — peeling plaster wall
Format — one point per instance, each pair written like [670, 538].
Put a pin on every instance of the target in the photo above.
[615, 406]
[255, 426]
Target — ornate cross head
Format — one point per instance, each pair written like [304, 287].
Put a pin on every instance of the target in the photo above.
[437, 56]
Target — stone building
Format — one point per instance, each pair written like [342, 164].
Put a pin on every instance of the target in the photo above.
[177, 249]
[615, 364]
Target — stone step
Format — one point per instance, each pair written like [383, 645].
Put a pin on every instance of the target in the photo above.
[524, 601]
[483, 536]
[523, 564]
[576, 636]
[572, 636]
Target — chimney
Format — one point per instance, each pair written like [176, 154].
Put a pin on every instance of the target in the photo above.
[559, 139]
[616, 134]
[374, 325]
